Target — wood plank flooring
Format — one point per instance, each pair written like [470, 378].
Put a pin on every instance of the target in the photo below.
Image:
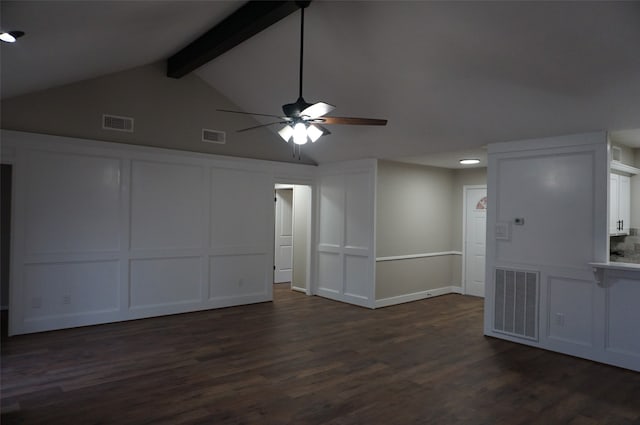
[306, 360]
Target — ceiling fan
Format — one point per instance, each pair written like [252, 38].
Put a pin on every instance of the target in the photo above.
[305, 121]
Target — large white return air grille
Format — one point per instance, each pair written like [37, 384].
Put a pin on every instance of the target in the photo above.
[516, 303]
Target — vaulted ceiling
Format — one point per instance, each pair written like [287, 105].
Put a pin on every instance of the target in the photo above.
[449, 76]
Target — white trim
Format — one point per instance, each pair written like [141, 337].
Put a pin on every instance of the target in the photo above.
[423, 255]
[584, 140]
[298, 289]
[624, 168]
[406, 298]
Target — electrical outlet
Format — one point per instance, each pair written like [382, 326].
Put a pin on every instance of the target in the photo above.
[559, 319]
[66, 299]
[240, 282]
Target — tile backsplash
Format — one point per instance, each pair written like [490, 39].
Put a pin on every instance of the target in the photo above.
[625, 249]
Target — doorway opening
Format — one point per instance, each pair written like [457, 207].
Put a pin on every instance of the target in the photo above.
[474, 239]
[5, 243]
[292, 237]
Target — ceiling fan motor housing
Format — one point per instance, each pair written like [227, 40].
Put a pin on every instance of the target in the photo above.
[294, 109]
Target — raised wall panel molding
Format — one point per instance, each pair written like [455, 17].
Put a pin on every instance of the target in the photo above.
[345, 263]
[102, 279]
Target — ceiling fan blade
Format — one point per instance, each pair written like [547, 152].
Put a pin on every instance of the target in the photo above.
[352, 121]
[325, 131]
[317, 110]
[252, 113]
[261, 125]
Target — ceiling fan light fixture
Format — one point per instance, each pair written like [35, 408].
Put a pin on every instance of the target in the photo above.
[314, 133]
[10, 36]
[300, 134]
[286, 133]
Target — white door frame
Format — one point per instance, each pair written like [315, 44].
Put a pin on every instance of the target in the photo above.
[465, 189]
[283, 235]
[281, 183]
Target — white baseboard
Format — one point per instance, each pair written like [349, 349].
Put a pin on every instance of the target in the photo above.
[385, 302]
[297, 288]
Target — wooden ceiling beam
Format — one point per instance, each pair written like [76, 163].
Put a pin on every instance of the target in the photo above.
[244, 23]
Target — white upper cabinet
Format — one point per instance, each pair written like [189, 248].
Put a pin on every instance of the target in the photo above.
[619, 204]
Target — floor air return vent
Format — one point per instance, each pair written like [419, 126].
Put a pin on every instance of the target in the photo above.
[516, 303]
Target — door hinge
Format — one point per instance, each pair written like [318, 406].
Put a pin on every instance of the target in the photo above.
[275, 199]
[274, 268]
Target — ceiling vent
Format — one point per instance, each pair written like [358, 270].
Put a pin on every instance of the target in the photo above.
[114, 122]
[214, 136]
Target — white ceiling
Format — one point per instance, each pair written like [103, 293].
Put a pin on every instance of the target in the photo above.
[449, 76]
[629, 138]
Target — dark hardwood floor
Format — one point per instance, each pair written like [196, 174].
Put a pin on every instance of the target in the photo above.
[306, 360]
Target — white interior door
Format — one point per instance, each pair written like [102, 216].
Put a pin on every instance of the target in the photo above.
[475, 231]
[284, 236]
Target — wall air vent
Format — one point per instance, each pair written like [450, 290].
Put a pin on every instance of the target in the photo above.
[516, 303]
[214, 136]
[114, 122]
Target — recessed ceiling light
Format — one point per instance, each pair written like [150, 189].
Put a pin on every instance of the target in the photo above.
[469, 161]
[11, 36]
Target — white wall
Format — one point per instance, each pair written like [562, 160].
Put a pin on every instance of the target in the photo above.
[105, 232]
[169, 113]
[419, 230]
[345, 264]
[414, 221]
[559, 186]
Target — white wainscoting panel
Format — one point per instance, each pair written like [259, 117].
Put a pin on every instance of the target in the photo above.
[72, 203]
[241, 208]
[54, 290]
[357, 282]
[623, 317]
[166, 205]
[331, 210]
[165, 281]
[358, 210]
[329, 272]
[238, 276]
[570, 310]
[345, 267]
[549, 192]
[104, 232]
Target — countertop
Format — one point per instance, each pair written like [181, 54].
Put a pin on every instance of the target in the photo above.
[617, 266]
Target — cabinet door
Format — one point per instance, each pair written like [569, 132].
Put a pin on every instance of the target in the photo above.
[624, 202]
[614, 191]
